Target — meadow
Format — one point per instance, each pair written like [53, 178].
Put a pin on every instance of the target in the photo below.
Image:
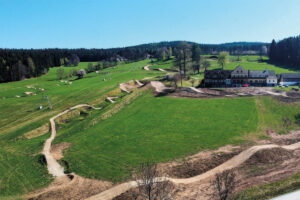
[147, 128]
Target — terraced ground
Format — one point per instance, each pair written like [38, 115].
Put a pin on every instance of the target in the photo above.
[108, 144]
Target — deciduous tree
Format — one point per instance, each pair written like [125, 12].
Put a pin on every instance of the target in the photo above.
[223, 58]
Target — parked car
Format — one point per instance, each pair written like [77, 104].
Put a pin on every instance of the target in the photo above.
[246, 85]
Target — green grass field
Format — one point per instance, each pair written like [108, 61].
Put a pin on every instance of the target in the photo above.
[160, 129]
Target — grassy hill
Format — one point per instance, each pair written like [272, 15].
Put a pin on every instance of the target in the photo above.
[20, 171]
[141, 126]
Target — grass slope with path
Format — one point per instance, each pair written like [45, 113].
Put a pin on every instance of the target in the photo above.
[165, 128]
[160, 129]
[20, 169]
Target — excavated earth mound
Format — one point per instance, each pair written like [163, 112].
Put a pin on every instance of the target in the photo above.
[195, 167]
[267, 156]
[76, 188]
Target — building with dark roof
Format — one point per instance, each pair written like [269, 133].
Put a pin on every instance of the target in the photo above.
[289, 79]
[262, 78]
[217, 78]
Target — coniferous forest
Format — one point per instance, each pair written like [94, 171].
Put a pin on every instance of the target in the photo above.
[286, 52]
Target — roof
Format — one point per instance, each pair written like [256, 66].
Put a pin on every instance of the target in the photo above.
[240, 69]
[272, 77]
[218, 72]
[264, 73]
[290, 75]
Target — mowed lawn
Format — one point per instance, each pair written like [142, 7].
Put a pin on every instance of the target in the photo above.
[157, 129]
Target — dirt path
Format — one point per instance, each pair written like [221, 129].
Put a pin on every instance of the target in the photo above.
[162, 70]
[53, 166]
[230, 164]
[139, 83]
[147, 67]
[111, 99]
[196, 90]
[123, 87]
[159, 86]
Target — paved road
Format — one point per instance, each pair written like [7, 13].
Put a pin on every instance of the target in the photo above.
[290, 196]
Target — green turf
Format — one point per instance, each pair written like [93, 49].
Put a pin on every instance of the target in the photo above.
[158, 129]
[251, 63]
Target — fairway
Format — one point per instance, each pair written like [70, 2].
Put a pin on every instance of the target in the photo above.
[158, 129]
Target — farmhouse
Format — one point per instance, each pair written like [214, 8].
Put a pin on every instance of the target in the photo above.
[239, 77]
[289, 79]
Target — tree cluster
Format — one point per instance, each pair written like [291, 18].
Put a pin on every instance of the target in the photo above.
[286, 52]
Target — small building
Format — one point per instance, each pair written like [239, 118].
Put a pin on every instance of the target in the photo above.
[289, 79]
[217, 78]
[271, 80]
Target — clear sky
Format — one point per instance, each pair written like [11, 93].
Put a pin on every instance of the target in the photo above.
[119, 23]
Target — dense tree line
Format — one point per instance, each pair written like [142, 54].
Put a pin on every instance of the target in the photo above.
[17, 64]
[286, 52]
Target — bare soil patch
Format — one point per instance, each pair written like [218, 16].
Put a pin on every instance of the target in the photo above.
[291, 97]
[37, 132]
[268, 166]
[198, 163]
[57, 150]
[72, 187]
[195, 167]
[286, 139]
[133, 194]
[234, 92]
[269, 156]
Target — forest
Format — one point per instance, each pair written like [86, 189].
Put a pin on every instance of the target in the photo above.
[286, 52]
[18, 64]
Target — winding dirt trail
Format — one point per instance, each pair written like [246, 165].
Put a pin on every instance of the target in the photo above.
[230, 164]
[57, 170]
[147, 67]
[53, 166]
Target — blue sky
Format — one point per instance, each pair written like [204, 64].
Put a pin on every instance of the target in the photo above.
[119, 23]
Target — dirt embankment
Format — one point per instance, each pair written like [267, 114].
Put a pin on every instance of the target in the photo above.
[198, 163]
[265, 166]
[57, 150]
[271, 159]
[70, 187]
[191, 92]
